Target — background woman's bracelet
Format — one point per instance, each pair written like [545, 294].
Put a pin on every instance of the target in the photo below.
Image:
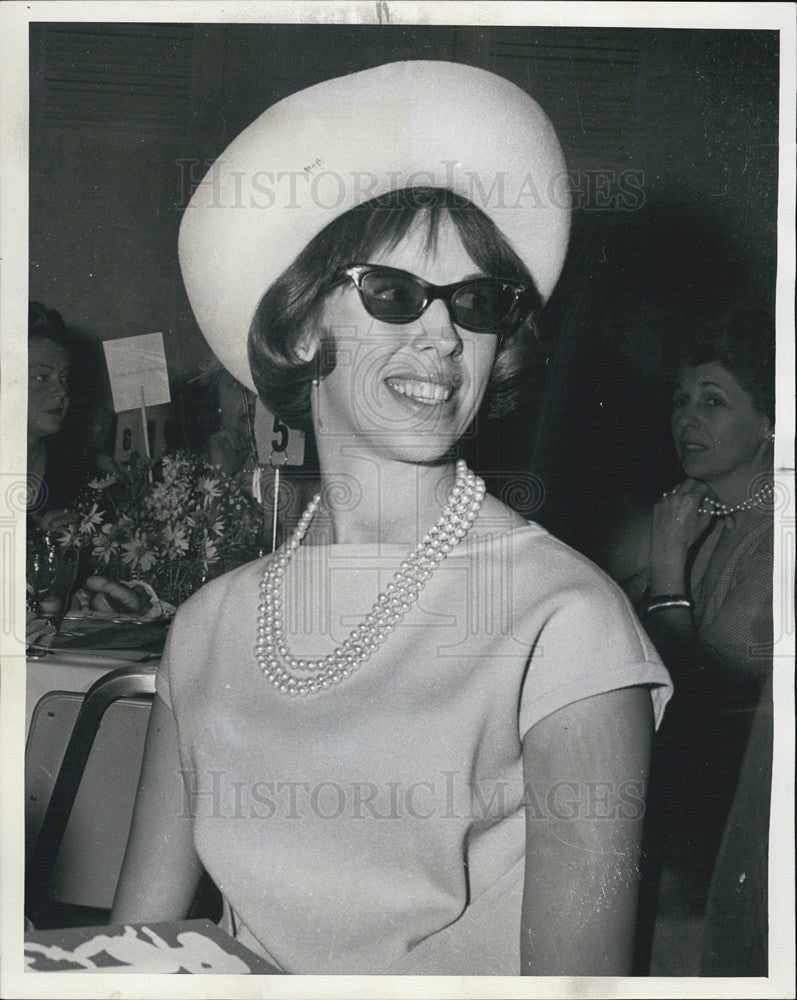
[661, 601]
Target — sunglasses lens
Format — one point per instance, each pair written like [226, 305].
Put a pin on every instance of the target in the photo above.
[393, 298]
[484, 306]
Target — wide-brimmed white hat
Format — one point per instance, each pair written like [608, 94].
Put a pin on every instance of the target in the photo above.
[320, 152]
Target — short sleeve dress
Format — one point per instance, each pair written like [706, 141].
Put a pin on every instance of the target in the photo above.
[378, 826]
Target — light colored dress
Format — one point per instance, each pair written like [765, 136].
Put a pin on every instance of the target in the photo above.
[378, 826]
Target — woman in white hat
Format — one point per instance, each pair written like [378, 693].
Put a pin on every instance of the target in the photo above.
[349, 734]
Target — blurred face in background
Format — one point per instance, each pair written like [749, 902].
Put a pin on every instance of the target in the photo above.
[234, 404]
[717, 428]
[48, 393]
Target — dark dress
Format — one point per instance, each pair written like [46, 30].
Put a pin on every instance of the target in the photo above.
[700, 768]
[47, 570]
[737, 928]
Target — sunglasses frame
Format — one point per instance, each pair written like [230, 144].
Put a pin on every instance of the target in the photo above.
[522, 295]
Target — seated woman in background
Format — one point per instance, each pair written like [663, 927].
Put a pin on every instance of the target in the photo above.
[723, 416]
[67, 420]
[57, 471]
[53, 482]
[49, 365]
[701, 563]
[699, 566]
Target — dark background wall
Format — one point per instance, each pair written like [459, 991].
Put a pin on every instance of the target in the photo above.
[671, 136]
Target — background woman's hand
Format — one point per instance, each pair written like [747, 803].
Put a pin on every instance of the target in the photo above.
[676, 526]
[36, 627]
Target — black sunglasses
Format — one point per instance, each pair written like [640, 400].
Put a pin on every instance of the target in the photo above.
[481, 305]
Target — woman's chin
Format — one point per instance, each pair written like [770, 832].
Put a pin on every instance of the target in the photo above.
[51, 422]
[420, 451]
[392, 443]
[43, 428]
[694, 468]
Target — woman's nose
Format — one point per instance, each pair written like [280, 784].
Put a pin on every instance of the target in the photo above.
[686, 416]
[436, 329]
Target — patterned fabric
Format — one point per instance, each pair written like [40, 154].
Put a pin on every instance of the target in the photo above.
[733, 607]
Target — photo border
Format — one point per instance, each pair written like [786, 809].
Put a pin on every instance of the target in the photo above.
[15, 17]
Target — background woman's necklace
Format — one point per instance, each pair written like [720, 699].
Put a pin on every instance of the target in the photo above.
[764, 495]
[275, 659]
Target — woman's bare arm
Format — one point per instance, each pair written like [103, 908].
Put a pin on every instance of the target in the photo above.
[585, 770]
[161, 869]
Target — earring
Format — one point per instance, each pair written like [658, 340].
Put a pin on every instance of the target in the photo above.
[772, 435]
[315, 402]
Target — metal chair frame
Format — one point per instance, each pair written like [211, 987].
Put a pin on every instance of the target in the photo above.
[136, 682]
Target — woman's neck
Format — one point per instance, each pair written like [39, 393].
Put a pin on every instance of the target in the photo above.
[36, 453]
[737, 485]
[387, 501]
[741, 485]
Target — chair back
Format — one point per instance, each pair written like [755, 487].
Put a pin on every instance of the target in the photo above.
[82, 764]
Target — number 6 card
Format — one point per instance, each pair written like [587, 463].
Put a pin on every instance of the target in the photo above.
[277, 444]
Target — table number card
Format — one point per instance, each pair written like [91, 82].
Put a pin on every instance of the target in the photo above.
[277, 444]
[137, 370]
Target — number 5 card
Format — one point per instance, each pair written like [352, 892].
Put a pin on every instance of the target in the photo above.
[277, 444]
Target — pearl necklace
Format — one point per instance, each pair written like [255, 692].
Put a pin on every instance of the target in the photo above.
[273, 656]
[765, 495]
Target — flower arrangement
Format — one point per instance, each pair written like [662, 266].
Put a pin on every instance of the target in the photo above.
[175, 529]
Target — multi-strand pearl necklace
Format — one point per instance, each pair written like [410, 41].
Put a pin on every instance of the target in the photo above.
[765, 495]
[294, 676]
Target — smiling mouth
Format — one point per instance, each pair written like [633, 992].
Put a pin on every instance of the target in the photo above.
[692, 446]
[421, 390]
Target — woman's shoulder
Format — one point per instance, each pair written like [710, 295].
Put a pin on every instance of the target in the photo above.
[557, 565]
[541, 565]
[586, 637]
[228, 589]
[497, 514]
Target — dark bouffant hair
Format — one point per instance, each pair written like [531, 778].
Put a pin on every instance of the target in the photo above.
[47, 324]
[293, 302]
[742, 339]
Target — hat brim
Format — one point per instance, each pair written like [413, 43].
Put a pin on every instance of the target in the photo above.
[322, 151]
